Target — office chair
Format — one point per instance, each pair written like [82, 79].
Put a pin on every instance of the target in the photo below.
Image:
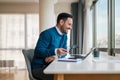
[28, 55]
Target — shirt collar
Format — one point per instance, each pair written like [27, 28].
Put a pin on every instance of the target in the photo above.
[58, 30]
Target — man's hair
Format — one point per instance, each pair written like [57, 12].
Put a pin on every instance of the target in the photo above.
[63, 16]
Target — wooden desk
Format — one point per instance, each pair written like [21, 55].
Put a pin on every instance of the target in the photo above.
[84, 70]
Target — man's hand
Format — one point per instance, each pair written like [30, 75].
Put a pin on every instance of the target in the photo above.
[61, 51]
[49, 59]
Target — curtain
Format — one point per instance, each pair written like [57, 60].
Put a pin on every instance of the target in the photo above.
[78, 27]
[81, 34]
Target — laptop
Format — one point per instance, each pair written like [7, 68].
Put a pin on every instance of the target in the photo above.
[75, 57]
[80, 56]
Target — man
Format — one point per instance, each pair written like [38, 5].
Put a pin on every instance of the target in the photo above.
[52, 42]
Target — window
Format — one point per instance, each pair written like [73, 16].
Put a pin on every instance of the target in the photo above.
[90, 29]
[32, 30]
[108, 32]
[17, 31]
[12, 31]
[117, 24]
[101, 24]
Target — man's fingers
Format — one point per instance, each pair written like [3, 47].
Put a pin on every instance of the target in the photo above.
[49, 59]
[65, 50]
[62, 51]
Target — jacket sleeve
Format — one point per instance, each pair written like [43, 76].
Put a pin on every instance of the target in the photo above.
[42, 49]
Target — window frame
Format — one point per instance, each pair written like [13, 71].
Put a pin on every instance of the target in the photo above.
[111, 29]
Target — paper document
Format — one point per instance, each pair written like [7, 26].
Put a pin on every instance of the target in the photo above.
[69, 60]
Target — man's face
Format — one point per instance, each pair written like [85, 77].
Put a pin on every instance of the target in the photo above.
[66, 25]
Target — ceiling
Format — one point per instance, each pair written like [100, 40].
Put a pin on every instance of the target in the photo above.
[36, 0]
[19, 0]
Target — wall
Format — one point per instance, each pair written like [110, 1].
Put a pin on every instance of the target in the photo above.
[19, 7]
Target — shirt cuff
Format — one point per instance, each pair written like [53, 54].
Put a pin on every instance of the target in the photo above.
[59, 56]
[56, 52]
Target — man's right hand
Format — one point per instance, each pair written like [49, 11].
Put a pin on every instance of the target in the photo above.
[62, 51]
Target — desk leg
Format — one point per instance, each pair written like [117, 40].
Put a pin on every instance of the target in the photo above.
[59, 77]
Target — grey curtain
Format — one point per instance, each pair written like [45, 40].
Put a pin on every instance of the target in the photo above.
[78, 26]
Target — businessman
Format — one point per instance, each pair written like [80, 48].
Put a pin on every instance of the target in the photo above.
[51, 43]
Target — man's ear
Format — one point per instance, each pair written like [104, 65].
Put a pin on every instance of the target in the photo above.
[61, 22]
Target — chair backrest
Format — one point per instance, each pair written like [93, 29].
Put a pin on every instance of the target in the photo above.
[28, 55]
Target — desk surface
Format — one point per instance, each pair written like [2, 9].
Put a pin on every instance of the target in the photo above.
[86, 66]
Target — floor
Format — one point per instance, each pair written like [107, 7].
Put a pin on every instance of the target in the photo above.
[14, 75]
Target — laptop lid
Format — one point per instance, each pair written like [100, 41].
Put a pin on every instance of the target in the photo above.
[81, 56]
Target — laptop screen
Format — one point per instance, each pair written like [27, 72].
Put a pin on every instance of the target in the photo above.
[82, 55]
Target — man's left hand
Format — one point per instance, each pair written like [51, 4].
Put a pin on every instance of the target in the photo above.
[49, 59]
